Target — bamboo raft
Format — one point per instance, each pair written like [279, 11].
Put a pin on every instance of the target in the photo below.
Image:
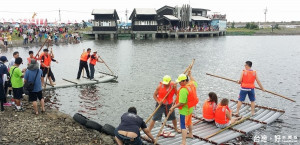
[98, 78]
[201, 129]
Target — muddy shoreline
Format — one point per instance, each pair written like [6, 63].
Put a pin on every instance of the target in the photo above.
[52, 127]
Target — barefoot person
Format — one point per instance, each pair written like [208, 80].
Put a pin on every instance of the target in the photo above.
[223, 114]
[128, 132]
[247, 81]
[209, 107]
[46, 59]
[186, 100]
[161, 91]
[33, 74]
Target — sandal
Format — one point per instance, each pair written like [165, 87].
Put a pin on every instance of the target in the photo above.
[169, 134]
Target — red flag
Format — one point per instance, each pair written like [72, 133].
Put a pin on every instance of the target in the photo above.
[37, 21]
[41, 21]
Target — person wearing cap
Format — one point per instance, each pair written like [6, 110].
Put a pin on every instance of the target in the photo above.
[17, 82]
[161, 91]
[185, 101]
[3, 71]
[94, 59]
[33, 74]
[46, 59]
[85, 56]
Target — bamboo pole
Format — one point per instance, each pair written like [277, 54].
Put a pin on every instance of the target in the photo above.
[164, 123]
[107, 66]
[236, 123]
[255, 87]
[41, 48]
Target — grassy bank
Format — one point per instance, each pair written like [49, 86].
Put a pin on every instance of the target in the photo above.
[265, 31]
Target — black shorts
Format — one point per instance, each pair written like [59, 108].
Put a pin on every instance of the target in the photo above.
[2, 92]
[18, 93]
[33, 96]
[163, 109]
[45, 71]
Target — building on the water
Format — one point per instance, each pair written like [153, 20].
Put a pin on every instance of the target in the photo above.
[167, 21]
[105, 22]
[143, 21]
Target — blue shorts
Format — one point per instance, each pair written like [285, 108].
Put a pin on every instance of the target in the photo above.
[244, 92]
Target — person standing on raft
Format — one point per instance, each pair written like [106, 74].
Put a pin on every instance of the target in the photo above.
[85, 56]
[46, 59]
[186, 101]
[94, 59]
[161, 91]
[247, 81]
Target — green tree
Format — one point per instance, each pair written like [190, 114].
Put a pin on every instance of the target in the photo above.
[232, 24]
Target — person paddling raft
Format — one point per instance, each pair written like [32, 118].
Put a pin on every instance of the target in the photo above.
[85, 56]
[94, 59]
[186, 101]
[46, 59]
[247, 80]
[161, 91]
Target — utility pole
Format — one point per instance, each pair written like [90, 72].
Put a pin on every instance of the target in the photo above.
[126, 12]
[266, 10]
[59, 15]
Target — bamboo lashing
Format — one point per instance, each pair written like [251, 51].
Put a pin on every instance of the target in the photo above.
[255, 87]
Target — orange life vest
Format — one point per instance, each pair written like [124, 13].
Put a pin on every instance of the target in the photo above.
[248, 79]
[29, 59]
[192, 99]
[208, 110]
[84, 56]
[46, 58]
[162, 92]
[93, 61]
[220, 115]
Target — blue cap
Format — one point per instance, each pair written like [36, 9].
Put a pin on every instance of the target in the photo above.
[3, 58]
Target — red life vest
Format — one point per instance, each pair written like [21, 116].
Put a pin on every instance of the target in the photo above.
[208, 110]
[93, 61]
[162, 92]
[192, 99]
[220, 115]
[84, 56]
[248, 79]
[46, 59]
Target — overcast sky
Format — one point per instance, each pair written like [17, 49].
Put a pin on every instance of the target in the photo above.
[236, 10]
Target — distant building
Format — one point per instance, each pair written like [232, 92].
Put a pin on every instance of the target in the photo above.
[105, 20]
[143, 19]
[165, 17]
